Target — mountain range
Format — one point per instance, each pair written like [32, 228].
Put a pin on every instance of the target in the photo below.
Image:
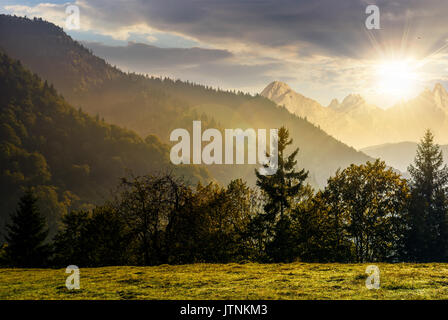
[360, 124]
[156, 106]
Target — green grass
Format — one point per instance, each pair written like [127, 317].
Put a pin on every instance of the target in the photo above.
[230, 281]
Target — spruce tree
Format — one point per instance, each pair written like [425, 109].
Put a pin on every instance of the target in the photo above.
[281, 190]
[427, 238]
[26, 235]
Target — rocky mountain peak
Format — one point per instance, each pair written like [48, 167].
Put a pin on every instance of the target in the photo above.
[275, 88]
[440, 96]
[334, 104]
[353, 99]
[440, 90]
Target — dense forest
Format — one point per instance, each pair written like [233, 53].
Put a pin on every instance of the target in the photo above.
[72, 159]
[151, 105]
[366, 213]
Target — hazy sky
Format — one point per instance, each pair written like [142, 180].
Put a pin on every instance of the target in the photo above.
[321, 48]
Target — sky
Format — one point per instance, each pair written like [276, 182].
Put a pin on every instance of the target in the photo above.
[320, 48]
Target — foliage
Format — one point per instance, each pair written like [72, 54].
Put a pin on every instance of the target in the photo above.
[366, 205]
[158, 219]
[87, 239]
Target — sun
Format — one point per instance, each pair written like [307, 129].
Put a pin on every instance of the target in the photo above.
[397, 79]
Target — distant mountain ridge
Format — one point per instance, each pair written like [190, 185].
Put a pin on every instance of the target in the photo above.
[360, 124]
[399, 155]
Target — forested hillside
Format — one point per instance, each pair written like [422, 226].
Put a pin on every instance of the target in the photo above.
[157, 106]
[73, 160]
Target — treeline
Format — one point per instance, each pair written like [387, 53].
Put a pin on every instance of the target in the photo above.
[365, 213]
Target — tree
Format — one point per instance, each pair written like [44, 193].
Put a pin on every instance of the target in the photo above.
[326, 225]
[313, 232]
[26, 235]
[281, 190]
[428, 236]
[211, 224]
[149, 205]
[242, 204]
[91, 239]
[71, 242]
[366, 205]
[227, 213]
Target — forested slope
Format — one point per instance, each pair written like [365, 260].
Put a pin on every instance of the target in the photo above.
[73, 159]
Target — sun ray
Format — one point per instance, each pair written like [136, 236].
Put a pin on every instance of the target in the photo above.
[398, 70]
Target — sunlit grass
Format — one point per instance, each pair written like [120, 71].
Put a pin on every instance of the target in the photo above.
[230, 281]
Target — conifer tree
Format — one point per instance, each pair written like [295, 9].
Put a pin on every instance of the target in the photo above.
[26, 235]
[281, 190]
[286, 183]
[427, 238]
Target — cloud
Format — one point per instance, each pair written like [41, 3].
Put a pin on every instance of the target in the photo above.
[281, 29]
[321, 46]
[139, 56]
[232, 75]
[312, 27]
[219, 68]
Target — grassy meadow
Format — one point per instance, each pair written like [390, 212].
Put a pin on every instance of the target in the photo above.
[230, 281]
